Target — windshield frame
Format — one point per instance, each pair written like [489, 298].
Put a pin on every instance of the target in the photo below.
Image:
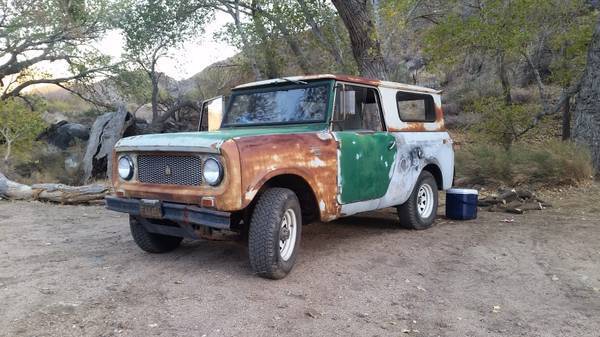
[282, 86]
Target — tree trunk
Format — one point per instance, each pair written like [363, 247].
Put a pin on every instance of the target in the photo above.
[503, 74]
[266, 44]
[586, 130]
[154, 80]
[105, 133]
[233, 10]
[566, 120]
[366, 48]
[294, 46]
[8, 150]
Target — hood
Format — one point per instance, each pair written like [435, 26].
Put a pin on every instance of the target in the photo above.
[209, 142]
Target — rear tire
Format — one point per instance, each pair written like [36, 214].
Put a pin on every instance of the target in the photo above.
[274, 235]
[420, 210]
[151, 242]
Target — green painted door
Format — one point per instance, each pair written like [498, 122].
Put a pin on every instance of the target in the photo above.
[365, 159]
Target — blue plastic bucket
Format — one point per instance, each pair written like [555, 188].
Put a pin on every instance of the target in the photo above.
[461, 204]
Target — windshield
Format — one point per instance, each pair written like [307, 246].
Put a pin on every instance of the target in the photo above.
[279, 105]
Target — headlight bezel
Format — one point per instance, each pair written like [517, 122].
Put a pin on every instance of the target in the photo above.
[131, 167]
[220, 171]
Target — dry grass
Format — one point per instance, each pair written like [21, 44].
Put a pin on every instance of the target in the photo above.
[552, 163]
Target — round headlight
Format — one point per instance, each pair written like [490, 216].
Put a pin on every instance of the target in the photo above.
[125, 168]
[212, 172]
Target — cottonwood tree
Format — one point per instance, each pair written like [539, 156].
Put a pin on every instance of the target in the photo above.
[358, 17]
[37, 31]
[152, 28]
[238, 33]
[586, 129]
[516, 32]
[564, 30]
[494, 29]
[271, 33]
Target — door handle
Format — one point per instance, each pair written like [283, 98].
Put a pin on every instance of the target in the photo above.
[392, 145]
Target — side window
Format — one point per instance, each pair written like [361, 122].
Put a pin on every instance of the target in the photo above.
[356, 108]
[415, 107]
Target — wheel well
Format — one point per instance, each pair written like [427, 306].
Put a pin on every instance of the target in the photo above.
[305, 194]
[437, 174]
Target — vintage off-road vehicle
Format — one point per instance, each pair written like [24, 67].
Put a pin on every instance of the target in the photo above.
[288, 151]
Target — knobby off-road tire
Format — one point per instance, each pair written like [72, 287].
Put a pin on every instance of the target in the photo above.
[414, 214]
[277, 208]
[151, 242]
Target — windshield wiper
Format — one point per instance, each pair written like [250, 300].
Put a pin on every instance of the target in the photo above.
[293, 81]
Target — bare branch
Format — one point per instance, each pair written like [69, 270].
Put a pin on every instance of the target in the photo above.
[17, 90]
[85, 98]
[538, 79]
[564, 97]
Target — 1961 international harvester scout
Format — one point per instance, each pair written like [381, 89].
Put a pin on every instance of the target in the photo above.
[288, 151]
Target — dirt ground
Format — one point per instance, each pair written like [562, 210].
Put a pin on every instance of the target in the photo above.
[75, 271]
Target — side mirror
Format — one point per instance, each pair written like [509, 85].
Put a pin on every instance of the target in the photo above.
[212, 114]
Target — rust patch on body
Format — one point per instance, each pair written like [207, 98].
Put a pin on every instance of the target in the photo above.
[309, 156]
[249, 162]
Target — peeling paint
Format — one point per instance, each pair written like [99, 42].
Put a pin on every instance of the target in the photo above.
[250, 194]
[348, 171]
[419, 150]
[295, 156]
[317, 163]
[324, 135]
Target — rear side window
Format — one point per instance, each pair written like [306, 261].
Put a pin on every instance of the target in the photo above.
[415, 107]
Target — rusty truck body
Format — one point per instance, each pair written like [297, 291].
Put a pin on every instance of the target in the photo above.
[288, 152]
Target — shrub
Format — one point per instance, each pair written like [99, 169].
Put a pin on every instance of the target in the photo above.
[502, 122]
[19, 126]
[550, 163]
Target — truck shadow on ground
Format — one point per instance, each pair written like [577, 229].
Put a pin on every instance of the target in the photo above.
[318, 241]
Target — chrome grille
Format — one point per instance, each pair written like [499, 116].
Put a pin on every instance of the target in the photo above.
[168, 169]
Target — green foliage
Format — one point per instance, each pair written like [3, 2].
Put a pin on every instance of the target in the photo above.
[502, 123]
[18, 126]
[133, 85]
[262, 33]
[570, 43]
[507, 27]
[152, 27]
[550, 163]
[39, 31]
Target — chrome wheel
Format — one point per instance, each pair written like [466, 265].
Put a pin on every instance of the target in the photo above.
[425, 201]
[287, 234]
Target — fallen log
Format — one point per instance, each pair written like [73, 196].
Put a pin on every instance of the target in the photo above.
[513, 201]
[58, 193]
[14, 190]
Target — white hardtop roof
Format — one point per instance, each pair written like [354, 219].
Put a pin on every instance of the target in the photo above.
[344, 78]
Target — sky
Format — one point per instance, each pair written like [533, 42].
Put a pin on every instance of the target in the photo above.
[189, 59]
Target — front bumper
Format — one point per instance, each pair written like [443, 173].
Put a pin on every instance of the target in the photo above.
[184, 215]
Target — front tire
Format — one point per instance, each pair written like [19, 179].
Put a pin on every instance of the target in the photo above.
[420, 210]
[151, 242]
[274, 235]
